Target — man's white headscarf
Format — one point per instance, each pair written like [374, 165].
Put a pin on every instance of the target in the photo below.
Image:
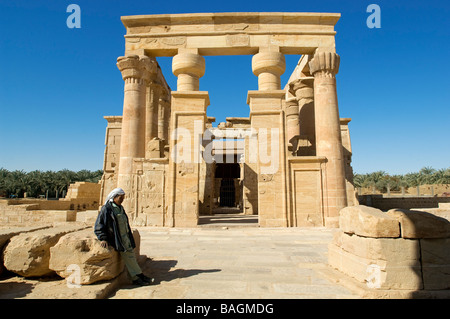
[115, 192]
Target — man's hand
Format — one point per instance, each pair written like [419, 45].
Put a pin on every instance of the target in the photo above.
[104, 244]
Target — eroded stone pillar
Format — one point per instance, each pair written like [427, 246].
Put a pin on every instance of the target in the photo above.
[324, 67]
[135, 72]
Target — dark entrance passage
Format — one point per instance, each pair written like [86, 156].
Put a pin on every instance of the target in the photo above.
[229, 173]
[227, 193]
[228, 200]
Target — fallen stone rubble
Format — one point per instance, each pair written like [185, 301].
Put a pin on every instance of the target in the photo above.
[398, 252]
[70, 251]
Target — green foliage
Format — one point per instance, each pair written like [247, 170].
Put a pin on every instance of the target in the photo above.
[381, 180]
[38, 182]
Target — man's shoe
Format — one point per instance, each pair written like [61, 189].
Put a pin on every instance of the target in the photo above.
[140, 282]
[146, 279]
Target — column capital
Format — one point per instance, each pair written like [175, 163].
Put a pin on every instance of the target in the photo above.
[189, 63]
[150, 68]
[188, 67]
[301, 83]
[268, 61]
[268, 66]
[136, 67]
[324, 64]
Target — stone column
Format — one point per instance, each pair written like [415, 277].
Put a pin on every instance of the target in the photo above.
[267, 121]
[188, 118]
[152, 143]
[166, 119]
[324, 67]
[161, 113]
[292, 124]
[303, 89]
[135, 72]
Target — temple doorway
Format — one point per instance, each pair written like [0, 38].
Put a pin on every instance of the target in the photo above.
[227, 177]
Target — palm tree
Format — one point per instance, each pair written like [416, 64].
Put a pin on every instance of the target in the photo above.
[63, 180]
[82, 175]
[96, 176]
[377, 179]
[18, 183]
[413, 179]
[39, 182]
[359, 179]
[426, 175]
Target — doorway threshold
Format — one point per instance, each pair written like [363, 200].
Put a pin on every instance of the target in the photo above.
[228, 220]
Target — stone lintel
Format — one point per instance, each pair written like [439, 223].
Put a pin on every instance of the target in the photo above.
[229, 33]
[222, 19]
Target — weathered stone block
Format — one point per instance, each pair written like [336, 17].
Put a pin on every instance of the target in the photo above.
[376, 273]
[28, 254]
[368, 222]
[7, 234]
[395, 250]
[418, 224]
[83, 249]
[436, 263]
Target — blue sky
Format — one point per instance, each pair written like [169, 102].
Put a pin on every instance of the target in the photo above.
[57, 83]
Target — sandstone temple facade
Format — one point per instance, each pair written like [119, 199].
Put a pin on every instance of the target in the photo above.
[288, 162]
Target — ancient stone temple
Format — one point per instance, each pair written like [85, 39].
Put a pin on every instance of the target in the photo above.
[288, 162]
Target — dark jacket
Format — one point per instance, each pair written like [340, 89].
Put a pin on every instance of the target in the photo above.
[106, 228]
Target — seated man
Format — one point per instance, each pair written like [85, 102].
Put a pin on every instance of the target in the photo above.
[112, 228]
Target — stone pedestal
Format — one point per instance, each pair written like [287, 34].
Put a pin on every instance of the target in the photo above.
[267, 120]
[188, 118]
